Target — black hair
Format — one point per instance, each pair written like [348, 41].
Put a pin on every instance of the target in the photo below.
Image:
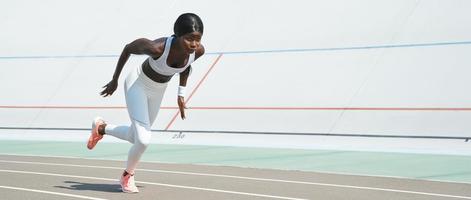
[187, 23]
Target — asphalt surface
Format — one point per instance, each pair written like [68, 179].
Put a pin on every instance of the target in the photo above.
[51, 178]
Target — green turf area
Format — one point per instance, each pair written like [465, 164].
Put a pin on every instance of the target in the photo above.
[422, 166]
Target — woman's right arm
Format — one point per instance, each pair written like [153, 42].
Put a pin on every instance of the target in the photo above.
[138, 47]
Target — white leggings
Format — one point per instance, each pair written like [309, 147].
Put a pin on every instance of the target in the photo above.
[143, 99]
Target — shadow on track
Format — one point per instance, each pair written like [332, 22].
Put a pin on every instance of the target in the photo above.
[73, 185]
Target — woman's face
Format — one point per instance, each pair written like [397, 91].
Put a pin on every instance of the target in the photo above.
[191, 41]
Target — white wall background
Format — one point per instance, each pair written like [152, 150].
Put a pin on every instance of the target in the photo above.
[328, 73]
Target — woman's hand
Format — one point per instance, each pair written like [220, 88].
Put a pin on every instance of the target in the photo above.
[181, 106]
[109, 88]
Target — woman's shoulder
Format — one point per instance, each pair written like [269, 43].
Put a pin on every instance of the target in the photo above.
[154, 48]
[159, 45]
[199, 51]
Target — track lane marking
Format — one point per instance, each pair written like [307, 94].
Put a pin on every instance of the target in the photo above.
[157, 162]
[49, 192]
[251, 178]
[152, 183]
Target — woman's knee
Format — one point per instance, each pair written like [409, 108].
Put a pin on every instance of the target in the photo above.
[142, 142]
[143, 136]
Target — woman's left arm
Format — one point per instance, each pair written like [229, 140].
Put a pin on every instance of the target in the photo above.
[181, 91]
[182, 86]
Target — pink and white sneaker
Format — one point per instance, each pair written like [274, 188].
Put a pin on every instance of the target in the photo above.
[127, 183]
[95, 136]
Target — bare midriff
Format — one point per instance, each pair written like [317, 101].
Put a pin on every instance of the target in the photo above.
[152, 74]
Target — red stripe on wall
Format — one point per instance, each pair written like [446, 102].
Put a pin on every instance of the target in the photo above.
[251, 108]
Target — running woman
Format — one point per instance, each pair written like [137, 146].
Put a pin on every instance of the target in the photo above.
[144, 87]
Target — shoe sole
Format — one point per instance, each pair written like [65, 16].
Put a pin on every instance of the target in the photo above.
[128, 191]
[94, 127]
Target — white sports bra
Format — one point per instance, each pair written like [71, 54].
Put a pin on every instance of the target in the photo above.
[160, 65]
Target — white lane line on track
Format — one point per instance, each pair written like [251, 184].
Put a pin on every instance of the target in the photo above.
[152, 183]
[202, 164]
[251, 178]
[49, 192]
